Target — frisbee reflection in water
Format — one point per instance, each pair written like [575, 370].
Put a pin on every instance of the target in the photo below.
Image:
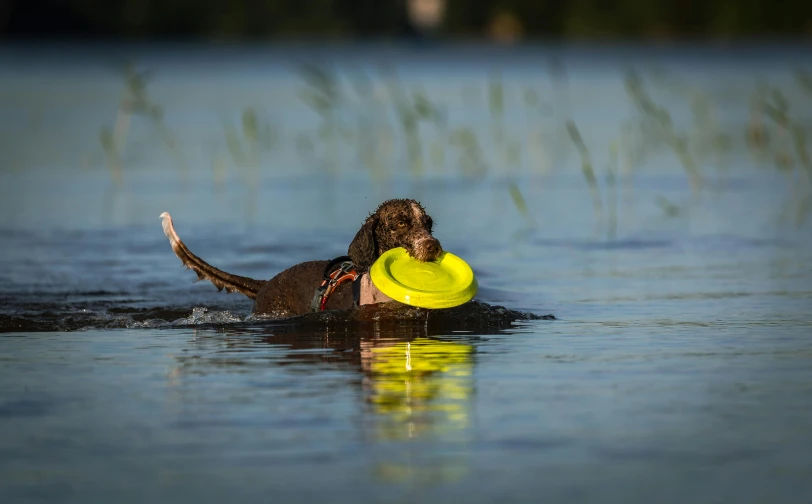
[421, 390]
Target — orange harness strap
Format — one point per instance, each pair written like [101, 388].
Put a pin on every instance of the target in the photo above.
[331, 281]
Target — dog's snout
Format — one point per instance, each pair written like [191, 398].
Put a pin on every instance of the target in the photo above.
[433, 248]
[427, 249]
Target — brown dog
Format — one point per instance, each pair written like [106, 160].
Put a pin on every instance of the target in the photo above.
[396, 223]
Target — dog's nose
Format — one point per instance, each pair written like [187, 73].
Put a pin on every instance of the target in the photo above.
[433, 248]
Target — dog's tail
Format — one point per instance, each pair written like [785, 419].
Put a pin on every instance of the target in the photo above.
[204, 270]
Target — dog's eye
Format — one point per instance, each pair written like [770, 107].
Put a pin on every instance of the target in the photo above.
[401, 224]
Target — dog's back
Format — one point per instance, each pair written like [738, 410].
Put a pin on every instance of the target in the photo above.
[291, 291]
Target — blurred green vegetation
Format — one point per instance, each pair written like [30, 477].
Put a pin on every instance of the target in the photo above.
[380, 123]
[504, 19]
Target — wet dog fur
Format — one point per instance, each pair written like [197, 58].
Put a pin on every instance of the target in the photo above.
[395, 223]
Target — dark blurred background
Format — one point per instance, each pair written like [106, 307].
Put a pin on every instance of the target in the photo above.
[503, 20]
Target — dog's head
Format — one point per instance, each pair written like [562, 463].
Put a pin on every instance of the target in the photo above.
[396, 223]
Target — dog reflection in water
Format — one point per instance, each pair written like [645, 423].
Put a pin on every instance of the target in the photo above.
[414, 389]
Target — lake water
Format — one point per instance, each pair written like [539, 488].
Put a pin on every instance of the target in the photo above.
[679, 368]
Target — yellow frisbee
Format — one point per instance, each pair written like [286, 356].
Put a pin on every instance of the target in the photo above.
[443, 283]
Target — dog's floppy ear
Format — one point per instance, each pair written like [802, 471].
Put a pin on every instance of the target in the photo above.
[364, 249]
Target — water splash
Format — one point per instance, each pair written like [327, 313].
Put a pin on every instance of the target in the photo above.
[202, 315]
